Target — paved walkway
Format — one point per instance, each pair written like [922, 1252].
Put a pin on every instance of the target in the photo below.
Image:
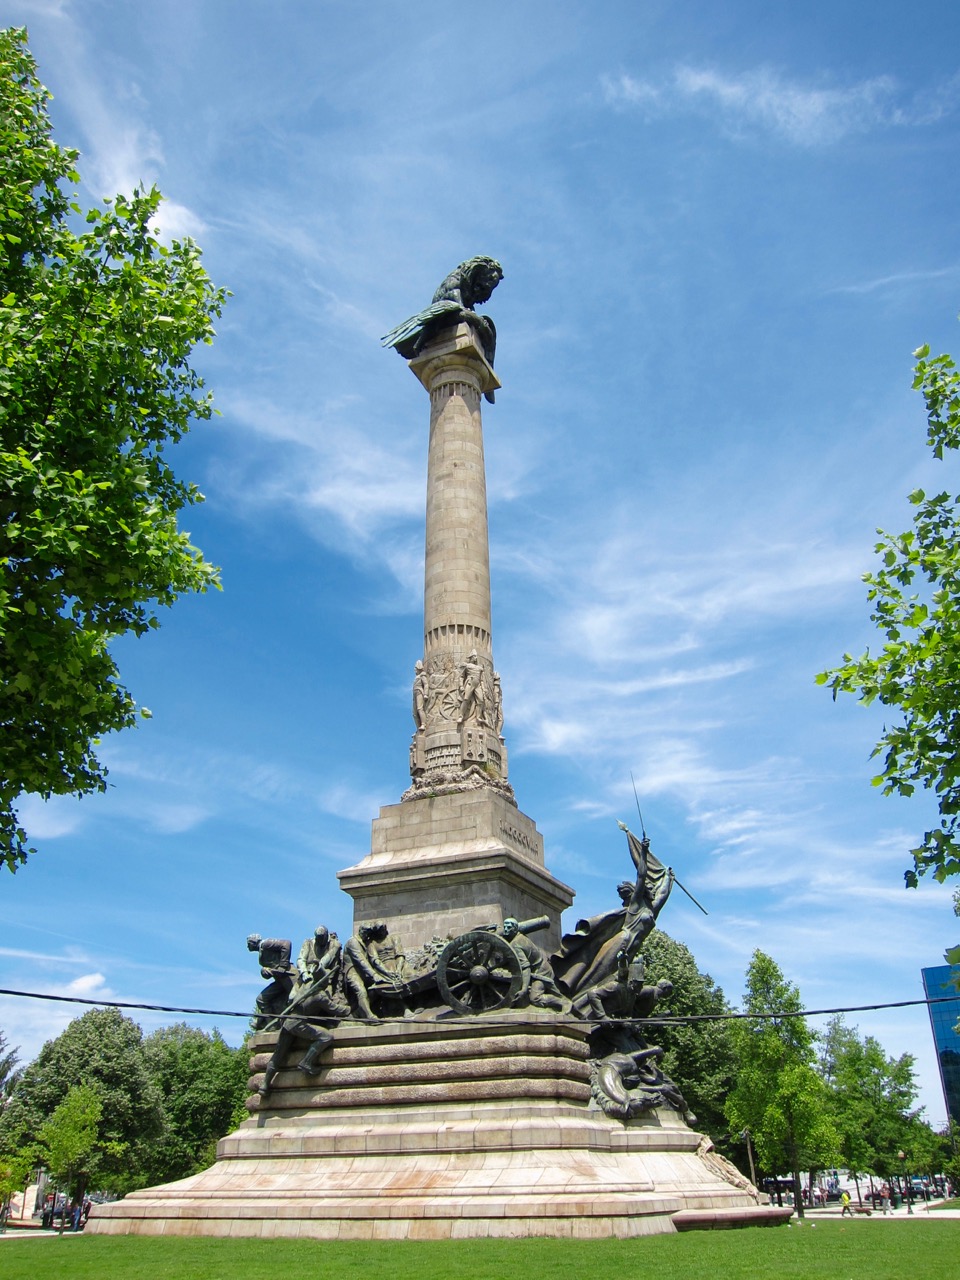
[33, 1233]
[920, 1210]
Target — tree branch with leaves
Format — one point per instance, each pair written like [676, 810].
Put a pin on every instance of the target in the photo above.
[915, 605]
[98, 320]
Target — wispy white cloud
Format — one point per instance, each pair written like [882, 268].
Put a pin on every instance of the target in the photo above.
[175, 221]
[626, 590]
[896, 280]
[338, 470]
[171, 818]
[802, 114]
[90, 986]
[599, 678]
[764, 100]
[344, 314]
[120, 150]
[177, 791]
[681, 766]
[49, 819]
[298, 238]
[356, 483]
[29, 1023]
[43, 957]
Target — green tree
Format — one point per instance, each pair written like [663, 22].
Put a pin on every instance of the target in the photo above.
[15, 1171]
[925, 1150]
[98, 320]
[67, 1140]
[203, 1083]
[915, 603]
[778, 1095]
[699, 1056]
[950, 1153]
[104, 1050]
[870, 1096]
[9, 1057]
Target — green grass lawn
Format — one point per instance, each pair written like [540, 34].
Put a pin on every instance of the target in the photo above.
[827, 1251]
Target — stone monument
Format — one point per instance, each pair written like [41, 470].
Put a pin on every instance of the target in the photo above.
[456, 851]
[457, 1068]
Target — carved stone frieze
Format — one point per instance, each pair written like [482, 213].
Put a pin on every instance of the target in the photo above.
[443, 696]
[421, 694]
[445, 782]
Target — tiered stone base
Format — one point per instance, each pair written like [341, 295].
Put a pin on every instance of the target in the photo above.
[437, 1130]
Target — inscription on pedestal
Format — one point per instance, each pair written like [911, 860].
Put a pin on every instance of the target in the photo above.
[518, 838]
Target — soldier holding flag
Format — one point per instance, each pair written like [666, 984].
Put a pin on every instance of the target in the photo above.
[589, 955]
[647, 896]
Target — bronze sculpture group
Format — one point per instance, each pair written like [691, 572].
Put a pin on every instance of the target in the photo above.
[596, 975]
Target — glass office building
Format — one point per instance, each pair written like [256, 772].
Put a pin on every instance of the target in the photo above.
[937, 983]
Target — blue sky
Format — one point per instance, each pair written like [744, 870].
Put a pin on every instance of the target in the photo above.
[724, 229]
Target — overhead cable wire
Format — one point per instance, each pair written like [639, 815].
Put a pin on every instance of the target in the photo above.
[661, 1020]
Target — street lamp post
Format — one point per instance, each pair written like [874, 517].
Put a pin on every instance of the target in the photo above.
[902, 1157]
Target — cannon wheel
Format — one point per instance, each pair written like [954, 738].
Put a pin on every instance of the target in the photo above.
[480, 972]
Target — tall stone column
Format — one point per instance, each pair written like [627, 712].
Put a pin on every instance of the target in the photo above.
[457, 699]
[456, 853]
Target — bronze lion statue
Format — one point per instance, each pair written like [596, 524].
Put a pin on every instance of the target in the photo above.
[454, 301]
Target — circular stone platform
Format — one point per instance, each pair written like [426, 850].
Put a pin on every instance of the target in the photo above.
[445, 1129]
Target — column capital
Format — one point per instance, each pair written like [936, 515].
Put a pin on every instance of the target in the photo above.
[456, 354]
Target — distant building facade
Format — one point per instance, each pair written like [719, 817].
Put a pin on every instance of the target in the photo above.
[938, 982]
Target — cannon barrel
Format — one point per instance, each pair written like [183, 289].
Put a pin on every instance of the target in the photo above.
[525, 926]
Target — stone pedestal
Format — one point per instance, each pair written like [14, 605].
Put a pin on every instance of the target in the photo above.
[434, 1130]
[445, 864]
[457, 853]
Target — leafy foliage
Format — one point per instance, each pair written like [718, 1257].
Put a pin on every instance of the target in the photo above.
[203, 1083]
[779, 1095]
[915, 601]
[924, 1149]
[103, 1050]
[952, 954]
[67, 1140]
[870, 1096]
[98, 319]
[163, 1101]
[950, 1152]
[15, 1171]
